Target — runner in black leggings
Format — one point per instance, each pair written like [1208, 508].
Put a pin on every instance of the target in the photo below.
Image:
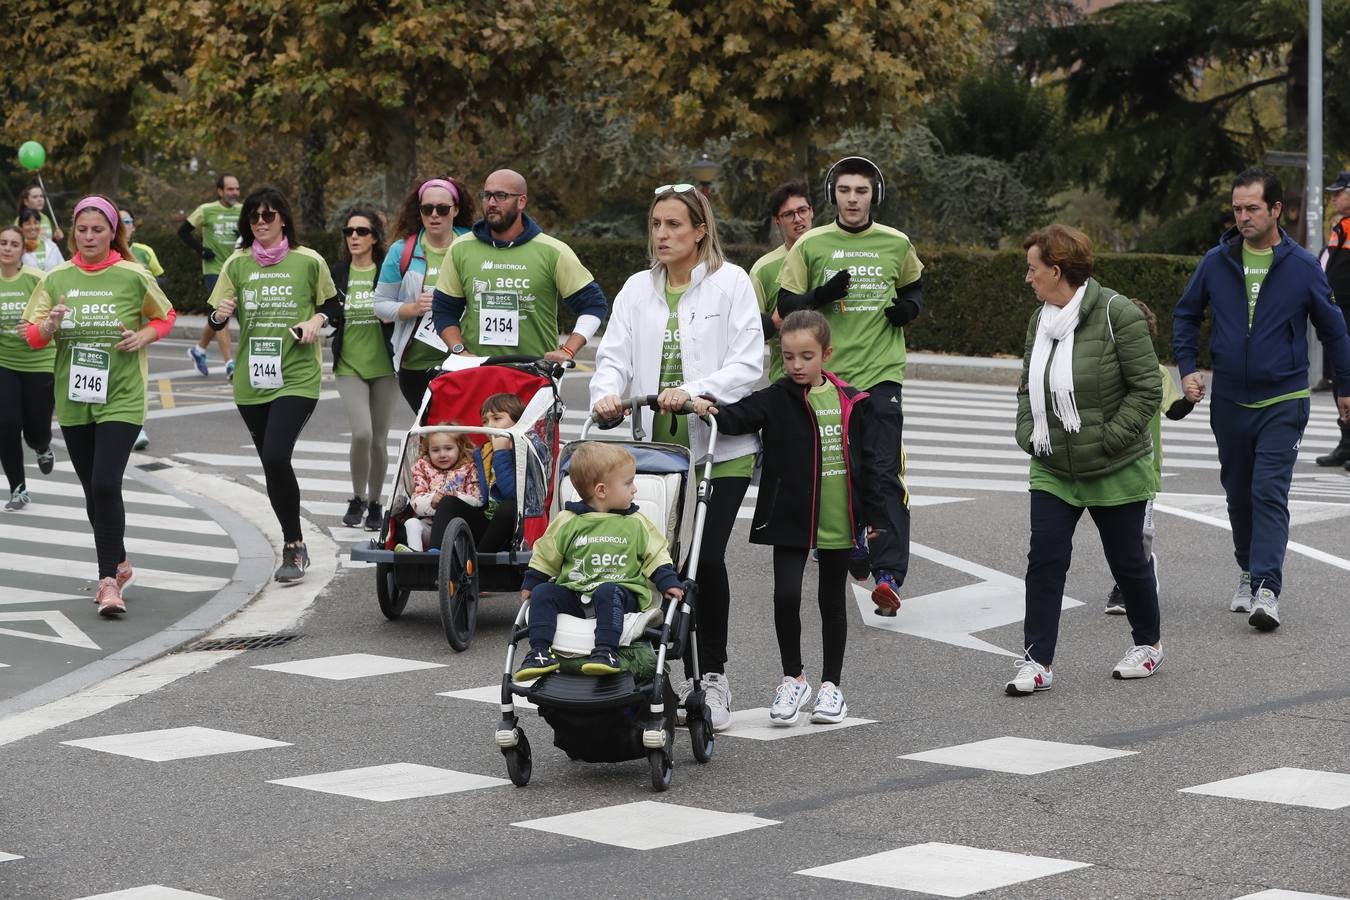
[283, 294]
[103, 309]
[25, 373]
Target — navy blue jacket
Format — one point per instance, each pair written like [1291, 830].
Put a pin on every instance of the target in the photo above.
[1271, 357]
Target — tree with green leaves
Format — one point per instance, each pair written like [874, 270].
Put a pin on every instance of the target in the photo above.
[1177, 95]
[777, 79]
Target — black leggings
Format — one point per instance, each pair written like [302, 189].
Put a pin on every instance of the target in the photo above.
[789, 563]
[275, 427]
[490, 534]
[99, 454]
[413, 383]
[714, 590]
[26, 412]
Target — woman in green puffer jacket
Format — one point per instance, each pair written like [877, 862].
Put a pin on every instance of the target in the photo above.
[1090, 385]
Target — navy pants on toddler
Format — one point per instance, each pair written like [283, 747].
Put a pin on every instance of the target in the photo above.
[610, 601]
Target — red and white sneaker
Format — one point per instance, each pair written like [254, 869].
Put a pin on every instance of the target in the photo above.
[1141, 662]
[1031, 677]
[126, 576]
[886, 595]
[109, 598]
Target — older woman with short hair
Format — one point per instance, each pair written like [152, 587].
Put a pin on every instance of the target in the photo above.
[1090, 386]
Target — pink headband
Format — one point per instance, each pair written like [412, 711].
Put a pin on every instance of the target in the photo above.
[98, 203]
[440, 183]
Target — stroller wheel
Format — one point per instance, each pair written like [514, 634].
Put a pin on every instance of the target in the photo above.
[519, 761]
[392, 600]
[701, 735]
[457, 586]
[662, 765]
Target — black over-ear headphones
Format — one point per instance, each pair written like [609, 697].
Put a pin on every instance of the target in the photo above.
[829, 179]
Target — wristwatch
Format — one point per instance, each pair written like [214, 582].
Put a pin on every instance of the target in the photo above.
[457, 349]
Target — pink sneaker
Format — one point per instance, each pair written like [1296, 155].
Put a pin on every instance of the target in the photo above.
[109, 598]
[126, 576]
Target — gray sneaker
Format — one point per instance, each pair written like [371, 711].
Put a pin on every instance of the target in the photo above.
[1265, 610]
[294, 562]
[18, 499]
[46, 461]
[717, 694]
[1242, 594]
[682, 687]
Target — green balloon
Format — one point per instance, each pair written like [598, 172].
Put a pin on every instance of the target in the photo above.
[32, 155]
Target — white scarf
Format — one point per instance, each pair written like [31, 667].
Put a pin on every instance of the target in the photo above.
[1057, 325]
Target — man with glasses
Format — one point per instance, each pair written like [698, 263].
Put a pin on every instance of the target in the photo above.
[790, 207]
[498, 294]
[219, 224]
[867, 280]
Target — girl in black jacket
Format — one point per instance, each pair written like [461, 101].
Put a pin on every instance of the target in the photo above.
[822, 463]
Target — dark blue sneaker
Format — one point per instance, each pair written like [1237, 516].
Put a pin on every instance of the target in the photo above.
[602, 661]
[886, 595]
[537, 664]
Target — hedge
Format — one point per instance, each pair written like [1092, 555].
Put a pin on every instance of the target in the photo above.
[975, 301]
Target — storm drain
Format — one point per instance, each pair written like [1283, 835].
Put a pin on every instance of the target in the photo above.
[256, 642]
[154, 467]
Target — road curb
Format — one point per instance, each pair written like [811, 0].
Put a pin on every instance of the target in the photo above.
[252, 574]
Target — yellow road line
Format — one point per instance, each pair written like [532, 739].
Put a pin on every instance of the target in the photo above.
[166, 393]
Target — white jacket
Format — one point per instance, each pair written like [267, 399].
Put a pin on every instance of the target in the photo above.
[721, 346]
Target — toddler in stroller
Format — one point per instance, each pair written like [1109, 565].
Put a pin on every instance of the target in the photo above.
[599, 552]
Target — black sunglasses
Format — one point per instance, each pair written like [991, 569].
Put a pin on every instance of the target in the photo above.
[262, 215]
[361, 230]
[440, 209]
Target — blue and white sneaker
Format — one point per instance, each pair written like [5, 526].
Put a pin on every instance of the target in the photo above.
[198, 357]
[830, 706]
[788, 700]
[229, 369]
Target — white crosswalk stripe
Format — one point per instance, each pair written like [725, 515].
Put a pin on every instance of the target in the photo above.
[958, 437]
[49, 546]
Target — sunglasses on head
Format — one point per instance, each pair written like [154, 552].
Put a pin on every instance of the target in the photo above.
[677, 188]
[128, 221]
[440, 209]
[360, 230]
[262, 215]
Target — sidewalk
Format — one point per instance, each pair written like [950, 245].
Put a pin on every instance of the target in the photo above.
[921, 366]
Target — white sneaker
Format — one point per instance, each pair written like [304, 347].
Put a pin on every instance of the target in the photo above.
[1265, 610]
[830, 706]
[717, 695]
[1031, 677]
[788, 700]
[1140, 662]
[1242, 594]
[18, 499]
[682, 688]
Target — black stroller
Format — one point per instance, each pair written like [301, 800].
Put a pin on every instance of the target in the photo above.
[621, 717]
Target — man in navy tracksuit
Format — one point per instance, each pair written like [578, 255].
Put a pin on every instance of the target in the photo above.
[1263, 288]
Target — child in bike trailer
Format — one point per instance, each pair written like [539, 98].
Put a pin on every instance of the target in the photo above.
[445, 468]
[600, 552]
[818, 488]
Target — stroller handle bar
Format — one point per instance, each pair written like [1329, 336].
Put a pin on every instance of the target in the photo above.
[538, 364]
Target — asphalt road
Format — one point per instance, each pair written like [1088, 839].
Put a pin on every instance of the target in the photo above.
[1228, 702]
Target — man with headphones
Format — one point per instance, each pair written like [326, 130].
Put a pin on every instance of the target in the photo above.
[868, 281]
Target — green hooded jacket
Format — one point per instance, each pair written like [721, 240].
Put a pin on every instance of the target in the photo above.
[1116, 385]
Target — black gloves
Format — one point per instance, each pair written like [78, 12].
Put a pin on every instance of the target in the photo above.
[208, 254]
[901, 312]
[832, 291]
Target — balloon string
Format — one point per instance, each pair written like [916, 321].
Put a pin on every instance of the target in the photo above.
[48, 197]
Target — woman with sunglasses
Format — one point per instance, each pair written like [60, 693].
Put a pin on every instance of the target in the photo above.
[689, 327]
[103, 309]
[363, 365]
[38, 252]
[434, 213]
[283, 294]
